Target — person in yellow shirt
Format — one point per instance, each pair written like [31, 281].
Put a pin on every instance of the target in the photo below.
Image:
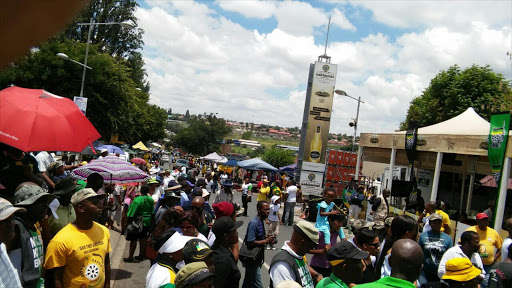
[489, 239]
[264, 191]
[446, 219]
[78, 256]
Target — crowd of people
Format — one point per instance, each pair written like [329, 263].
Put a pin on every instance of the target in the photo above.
[55, 232]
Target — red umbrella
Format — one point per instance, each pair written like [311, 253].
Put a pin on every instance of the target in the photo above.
[36, 120]
[139, 161]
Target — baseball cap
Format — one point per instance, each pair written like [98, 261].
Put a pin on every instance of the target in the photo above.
[223, 209]
[171, 194]
[190, 183]
[196, 250]
[173, 185]
[7, 209]
[377, 225]
[435, 216]
[80, 184]
[307, 230]
[345, 250]
[64, 186]
[193, 273]
[224, 225]
[29, 194]
[481, 216]
[84, 194]
[175, 243]
[159, 179]
[360, 224]
[461, 270]
[153, 180]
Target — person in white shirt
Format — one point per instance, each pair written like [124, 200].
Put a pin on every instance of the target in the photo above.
[289, 205]
[470, 244]
[508, 240]
[167, 178]
[44, 159]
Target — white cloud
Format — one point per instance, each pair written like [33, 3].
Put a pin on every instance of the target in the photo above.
[456, 14]
[198, 60]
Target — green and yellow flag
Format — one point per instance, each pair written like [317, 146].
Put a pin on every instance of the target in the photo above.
[498, 136]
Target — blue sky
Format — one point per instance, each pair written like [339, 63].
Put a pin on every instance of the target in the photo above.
[248, 60]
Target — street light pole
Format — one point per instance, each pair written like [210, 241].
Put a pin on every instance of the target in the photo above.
[85, 61]
[356, 121]
[125, 24]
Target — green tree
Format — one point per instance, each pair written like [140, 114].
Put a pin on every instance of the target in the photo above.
[452, 91]
[247, 135]
[278, 157]
[114, 104]
[203, 135]
[187, 115]
[111, 39]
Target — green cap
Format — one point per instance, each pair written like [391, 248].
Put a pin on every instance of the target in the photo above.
[80, 184]
[193, 273]
[29, 194]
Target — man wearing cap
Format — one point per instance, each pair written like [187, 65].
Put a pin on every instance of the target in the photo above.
[186, 194]
[380, 207]
[170, 199]
[347, 266]
[196, 250]
[103, 153]
[430, 208]
[194, 275]
[489, 239]
[8, 277]
[26, 248]
[434, 244]
[289, 264]
[78, 256]
[65, 212]
[154, 188]
[225, 193]
[468, 248]
[163, 273]
[405, 261]
[460, 272]
[228, 274]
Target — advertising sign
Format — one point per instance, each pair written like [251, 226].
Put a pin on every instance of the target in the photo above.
[81, 102]
[498, 135]
[311, 182]
[319, 112]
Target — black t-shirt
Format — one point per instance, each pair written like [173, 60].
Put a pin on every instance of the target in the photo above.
[500, 276]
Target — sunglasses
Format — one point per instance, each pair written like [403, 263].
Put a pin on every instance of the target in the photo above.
[375, 245]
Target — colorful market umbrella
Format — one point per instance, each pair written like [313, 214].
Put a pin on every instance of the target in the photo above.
[111, 149]
[36, 120]
[140, 146]
[138, 161]
[112, 169]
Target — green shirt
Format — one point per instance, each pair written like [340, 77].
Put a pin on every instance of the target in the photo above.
[388, 282]
[331, 282]
[142, 205]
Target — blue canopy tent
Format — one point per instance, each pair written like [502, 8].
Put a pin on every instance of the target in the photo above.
[290, 169]
[256, 164]
[111, 149]
[231, 163]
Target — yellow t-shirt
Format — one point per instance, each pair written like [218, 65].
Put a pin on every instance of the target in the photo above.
[489, 239]
[264, 192]
[446, 219]
[82, 254]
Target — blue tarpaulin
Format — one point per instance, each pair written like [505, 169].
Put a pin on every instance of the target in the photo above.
[231, 162]
[256, 164]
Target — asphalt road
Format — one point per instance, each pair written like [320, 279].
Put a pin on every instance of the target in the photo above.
[285, 233]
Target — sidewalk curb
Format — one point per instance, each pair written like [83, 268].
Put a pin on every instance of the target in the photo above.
[116, 255]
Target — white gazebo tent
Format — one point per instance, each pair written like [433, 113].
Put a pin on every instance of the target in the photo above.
[212, 157]
[464, 135]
